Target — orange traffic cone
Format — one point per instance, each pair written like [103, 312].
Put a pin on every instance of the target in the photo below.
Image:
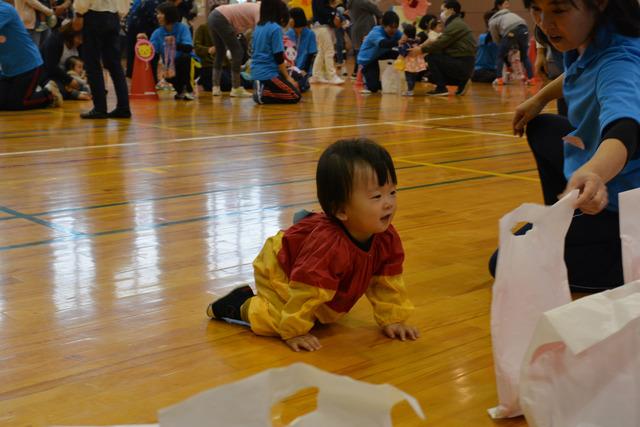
[359, 80]
[142, 83]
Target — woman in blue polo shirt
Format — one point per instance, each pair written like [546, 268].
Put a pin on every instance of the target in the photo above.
[21, 67]
[272, 82]
[377, 45]
[595, 149]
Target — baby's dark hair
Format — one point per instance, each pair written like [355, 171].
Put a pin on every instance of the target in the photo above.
[428, 22]
[337, 168]
[409, 31]
[299, 17]
[71, 62]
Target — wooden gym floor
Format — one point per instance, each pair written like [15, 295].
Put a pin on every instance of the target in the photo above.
[114, 236]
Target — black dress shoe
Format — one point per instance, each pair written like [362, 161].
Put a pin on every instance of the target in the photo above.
[120, 113]
[94, 114]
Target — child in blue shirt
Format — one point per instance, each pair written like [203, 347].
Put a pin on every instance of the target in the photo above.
[377, 45]
[168, 18]
[21, 67]
[484, 70]
[272, 82]
[304, 41]
[595, 148]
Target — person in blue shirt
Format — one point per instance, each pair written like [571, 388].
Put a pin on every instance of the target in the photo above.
[22, 82]
[484, 70]
[300, 48]
[378, 45]
[595, 148]
[168, 17]
[272, 83]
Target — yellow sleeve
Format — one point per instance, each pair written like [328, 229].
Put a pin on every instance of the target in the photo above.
[298, 314]
[389, 298]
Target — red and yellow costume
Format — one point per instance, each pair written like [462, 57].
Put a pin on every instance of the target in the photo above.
[314, 271]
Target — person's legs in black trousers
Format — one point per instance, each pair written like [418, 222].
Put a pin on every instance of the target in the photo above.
[182, 80]
[522, 38]
[20, 92]
[592, 245]
[447, 70]
[101, 40]
[371, 76]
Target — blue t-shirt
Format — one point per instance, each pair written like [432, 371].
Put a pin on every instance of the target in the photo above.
[601, 86]
[179, 31]
[370, 50]
[486, 54]
[305, 46]
[18, 54]
[267, 41]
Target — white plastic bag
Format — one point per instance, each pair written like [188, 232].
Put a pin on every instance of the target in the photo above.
[392, 80]
[531, 278]
[583, 366]
[341, 401]
[630, 234]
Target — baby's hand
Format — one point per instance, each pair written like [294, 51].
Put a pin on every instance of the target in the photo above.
[401, 331]
[304, 342]
[3, 39]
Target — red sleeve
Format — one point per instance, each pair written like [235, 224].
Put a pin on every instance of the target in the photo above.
[391, 253]
[322, 260]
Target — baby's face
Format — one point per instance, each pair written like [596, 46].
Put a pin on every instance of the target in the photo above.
[371, 207]
[78, 68]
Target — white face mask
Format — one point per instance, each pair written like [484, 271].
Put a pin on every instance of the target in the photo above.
[443, 16]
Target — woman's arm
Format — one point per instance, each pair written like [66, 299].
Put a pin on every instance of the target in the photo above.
[529, 109]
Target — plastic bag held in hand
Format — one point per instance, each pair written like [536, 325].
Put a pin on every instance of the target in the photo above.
[531, 278]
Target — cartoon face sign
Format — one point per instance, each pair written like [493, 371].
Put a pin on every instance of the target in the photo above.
[290, 51]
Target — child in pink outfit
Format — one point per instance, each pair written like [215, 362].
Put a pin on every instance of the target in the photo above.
[415, 65]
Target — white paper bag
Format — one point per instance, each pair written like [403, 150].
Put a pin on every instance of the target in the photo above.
[531, 278]
[630, 234]
[583, 366]
[392, 80]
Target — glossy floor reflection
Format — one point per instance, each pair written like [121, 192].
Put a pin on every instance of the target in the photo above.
[114, 236]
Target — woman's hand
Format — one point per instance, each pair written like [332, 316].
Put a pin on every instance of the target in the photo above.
[304, 342]
[73, 85]
[525, 112]
[212, 50]
[401, 331]
[415, 51]
[593, 196]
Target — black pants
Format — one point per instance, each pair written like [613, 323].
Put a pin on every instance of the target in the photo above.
[181, 82]
[101, 40]
[275, 91]
[21, 92]
[593, 251]
[448, 70]
[483, 75]
[412, 79]
[371, 71]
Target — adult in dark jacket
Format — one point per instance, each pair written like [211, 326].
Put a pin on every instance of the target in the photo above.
[56, 49]
[452, 55]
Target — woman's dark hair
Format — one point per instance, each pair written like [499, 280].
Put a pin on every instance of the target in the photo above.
[337, 169]
[71, 62]
[428, 22]
[390, 19]
[270, 11]
[299, 17]
[409, 31]
[455, 5]
[170, 12]
[624, 15]
[284, 14]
